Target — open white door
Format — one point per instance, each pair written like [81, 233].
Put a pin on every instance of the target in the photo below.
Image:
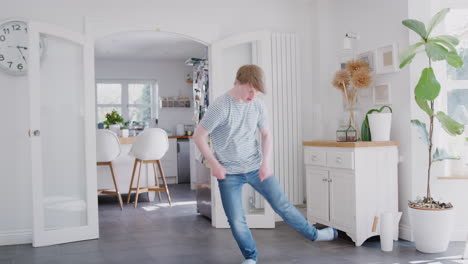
[226, 56]
[62, 134]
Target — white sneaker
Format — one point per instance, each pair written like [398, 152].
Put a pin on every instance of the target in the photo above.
[326, 234]
[249, 261]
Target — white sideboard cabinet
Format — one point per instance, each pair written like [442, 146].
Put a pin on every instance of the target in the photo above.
[350, 184]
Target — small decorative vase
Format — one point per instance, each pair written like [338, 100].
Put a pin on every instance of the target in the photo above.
[115, 128]
[124, 133]
[352, 116]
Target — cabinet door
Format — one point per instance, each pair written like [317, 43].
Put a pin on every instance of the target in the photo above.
[317, 195]
[342, 200]
[169, 161]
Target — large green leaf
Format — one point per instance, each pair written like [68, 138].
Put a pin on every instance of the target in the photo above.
[450, 39]
[451, 126]
[436, 19]
[428, 87]
[423, 134]
[408, 54]
[435, 51]
[454, 60]
[441, 154]
[423, 104]
[417, 26]
[448, 45]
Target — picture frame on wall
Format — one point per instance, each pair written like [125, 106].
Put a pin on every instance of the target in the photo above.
[382, 94]
[387, 59]
[342, 60]
[368, 57]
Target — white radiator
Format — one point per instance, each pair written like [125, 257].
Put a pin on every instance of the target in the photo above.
[286, 116]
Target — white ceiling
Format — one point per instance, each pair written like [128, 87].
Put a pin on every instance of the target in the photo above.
[148, 45]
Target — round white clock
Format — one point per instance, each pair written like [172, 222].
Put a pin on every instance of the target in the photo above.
[14, 46]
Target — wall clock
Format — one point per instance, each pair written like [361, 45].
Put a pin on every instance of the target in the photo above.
[14, 46]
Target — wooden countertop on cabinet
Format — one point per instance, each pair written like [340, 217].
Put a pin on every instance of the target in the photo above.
[357, 144]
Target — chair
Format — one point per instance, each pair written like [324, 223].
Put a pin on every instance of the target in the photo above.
[107, 149]
[149, 148]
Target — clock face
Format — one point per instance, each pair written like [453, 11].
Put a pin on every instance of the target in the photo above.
[14, 46]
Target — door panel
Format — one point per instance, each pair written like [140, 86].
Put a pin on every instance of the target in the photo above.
[317, 186]
[62, 137]
[226, 56]
[342, 200]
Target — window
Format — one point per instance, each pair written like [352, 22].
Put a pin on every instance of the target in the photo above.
[133, 99]
[456, 23]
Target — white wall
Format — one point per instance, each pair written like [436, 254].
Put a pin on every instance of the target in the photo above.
[229, 16]
[170, 75]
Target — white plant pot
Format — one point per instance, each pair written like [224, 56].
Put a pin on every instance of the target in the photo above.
[432, 229]
[115, 128]
[124, 133]
[380, 125]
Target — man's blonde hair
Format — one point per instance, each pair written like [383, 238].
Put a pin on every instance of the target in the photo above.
[251, 74]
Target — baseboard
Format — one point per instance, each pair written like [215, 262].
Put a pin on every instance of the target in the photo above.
[458, 234]
[405, 233]
[16, 237]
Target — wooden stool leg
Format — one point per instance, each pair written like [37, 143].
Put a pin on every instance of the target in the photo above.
[164, 182]
[115, 185]
[156, 180]
[138, 185]
[131, 181]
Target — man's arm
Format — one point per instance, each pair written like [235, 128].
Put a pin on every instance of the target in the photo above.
[265, 170]
[200, 137]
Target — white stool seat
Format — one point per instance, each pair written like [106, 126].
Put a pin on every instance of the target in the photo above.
[107, 150]
[149, 147]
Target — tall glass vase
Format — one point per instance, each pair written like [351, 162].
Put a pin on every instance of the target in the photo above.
[352, 116]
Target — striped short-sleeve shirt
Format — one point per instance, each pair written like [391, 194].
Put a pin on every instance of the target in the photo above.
[233, 130]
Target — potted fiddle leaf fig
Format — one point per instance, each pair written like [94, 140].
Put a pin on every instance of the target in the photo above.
[432, 221]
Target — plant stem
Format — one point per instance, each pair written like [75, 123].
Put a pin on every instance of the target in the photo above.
[431, 130]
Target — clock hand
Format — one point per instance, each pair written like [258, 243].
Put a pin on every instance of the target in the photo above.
[22, 55]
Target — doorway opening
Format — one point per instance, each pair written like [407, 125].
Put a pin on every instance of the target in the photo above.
[147, 77]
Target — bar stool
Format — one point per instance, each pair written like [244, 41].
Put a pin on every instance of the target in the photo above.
[107, 149]
[149, 148]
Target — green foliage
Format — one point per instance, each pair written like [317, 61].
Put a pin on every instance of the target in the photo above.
[428, 87]
[365, 129]
[450, 126]
[417, 26]
[422, 130]
[438, 48]
[113, 118]
[441, 154]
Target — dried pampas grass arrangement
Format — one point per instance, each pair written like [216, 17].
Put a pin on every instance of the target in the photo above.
[356, 76]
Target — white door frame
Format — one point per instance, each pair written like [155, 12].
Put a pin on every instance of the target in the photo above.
[204, 34]
[42, 237]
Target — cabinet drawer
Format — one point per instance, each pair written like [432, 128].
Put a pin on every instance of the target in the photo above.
[315, 157]
[344, 160]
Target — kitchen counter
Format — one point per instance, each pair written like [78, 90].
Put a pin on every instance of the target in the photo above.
[357, 144]
[130, 140]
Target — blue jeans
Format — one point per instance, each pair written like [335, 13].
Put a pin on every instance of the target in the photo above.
[231, 196]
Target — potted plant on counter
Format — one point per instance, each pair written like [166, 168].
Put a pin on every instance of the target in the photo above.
[113, 121]
[432, 221]
[377, 124]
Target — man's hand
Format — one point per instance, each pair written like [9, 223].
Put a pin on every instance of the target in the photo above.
[219, 171]
[264, 172]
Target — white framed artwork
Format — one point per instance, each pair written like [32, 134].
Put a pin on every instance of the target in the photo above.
[367, 57]
[387, 59]
[382, 94]
[343, 60]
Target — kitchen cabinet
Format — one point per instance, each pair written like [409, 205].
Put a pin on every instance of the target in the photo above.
[350, 184]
